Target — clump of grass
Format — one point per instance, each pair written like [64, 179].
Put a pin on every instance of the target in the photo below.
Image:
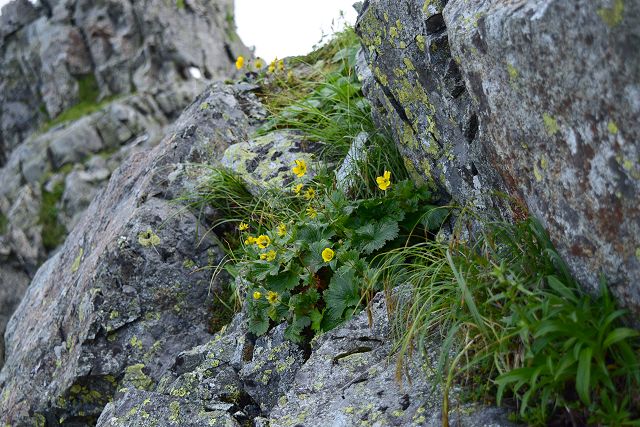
[88, 103]
[53, 232]
[514, 326]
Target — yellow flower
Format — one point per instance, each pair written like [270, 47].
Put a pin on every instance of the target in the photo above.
[269, 256]
[272, 297]
[272, 67]
[384, 181]
[282, 230]
[312, 212]
[327, 254]
[310, 194]
[257, 295]
[290, 76]
[297, 188]
[300, 169]
[250, 240]
[281, 65]
[263, 241]
[259, 63]
[243, 226]
[240, 62]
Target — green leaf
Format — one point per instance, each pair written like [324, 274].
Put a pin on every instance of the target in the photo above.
[313, 258]
[583, 376]
[373, 236]
[343, 293]
[434, 217]
[285, 281]
[296, 327]
[316, 319]
[618, 335]
[303, 303]
[258, 324]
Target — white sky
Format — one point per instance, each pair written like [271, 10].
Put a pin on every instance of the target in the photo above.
[289, 27]
[286, 27]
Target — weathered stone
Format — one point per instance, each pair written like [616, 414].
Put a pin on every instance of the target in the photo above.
[557, 88]
[53, 55]
[533, 108]
[116, 295]
[416, 89]
[272, 368]
[351, 379]
[266, 161]
[120, 129]
[142, 409]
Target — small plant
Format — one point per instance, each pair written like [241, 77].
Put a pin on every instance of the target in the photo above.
[311, 267]
[513, 324]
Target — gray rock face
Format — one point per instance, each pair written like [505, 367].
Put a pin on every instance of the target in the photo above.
[417, 90]
[537, 99]
[51, 54]
[351, 379]
[116, 304]
[58, 173]
[557, 88]
[266, 161]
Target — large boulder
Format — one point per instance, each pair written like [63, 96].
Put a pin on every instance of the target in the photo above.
[416, 89]
[557, 89]
[50, 179]
[533, 99]
[123, 296]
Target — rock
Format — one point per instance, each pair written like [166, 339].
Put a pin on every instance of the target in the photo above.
[79, 156]
[115, 304]
[75, 143]
[516, 108]
[350, 379]
[65, 52]
[272, 368]
[560, 101]
[16, 15]
[140, 409]
[348, 171]
[417, 90]
[266, 161]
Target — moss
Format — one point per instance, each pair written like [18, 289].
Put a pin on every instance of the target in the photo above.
[612, 127]
[180, 4]
[53, 232]
[612, 16]
[88, 95]
[76, 262]
[4, 222]
[134, 376]
[174, 408]
[513, 72]
[550, 124]
[148, 238]
[135, 342]
[638, 253]
[420, 40]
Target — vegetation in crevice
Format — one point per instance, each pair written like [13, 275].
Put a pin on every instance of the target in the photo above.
[53, 232]
[512, 325]
[88, 102]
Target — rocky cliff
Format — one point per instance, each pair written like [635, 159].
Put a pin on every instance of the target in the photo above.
[83, 85]
[515, 105]
[115, 326]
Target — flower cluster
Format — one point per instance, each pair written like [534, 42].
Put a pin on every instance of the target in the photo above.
[277, 65]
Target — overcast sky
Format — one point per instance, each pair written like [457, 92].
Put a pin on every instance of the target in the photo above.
[286, 27]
